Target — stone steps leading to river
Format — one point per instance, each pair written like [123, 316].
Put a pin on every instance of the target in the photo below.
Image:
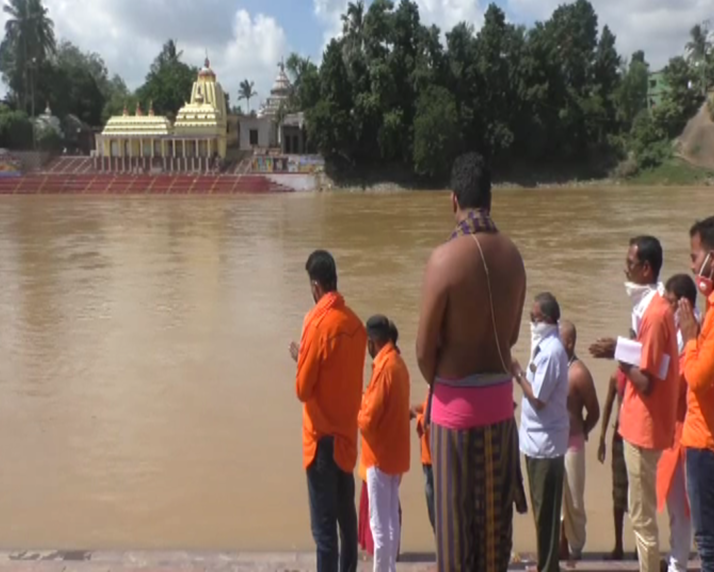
[86, 561]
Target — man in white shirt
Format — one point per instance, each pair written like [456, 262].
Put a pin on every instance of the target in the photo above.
[545, 425]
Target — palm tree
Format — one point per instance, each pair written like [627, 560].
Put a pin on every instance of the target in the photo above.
[353, 28]
[246, 92]
[699, 50]
[29, 36]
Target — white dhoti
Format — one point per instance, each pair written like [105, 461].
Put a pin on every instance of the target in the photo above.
[574, 517]
[680, 523]
[383, 494]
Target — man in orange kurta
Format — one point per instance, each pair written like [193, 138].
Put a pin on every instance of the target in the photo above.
[648, 411]
[384, 422]
[330, 365]
[698, 431]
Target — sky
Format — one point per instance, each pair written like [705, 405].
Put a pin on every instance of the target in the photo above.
[245, 39]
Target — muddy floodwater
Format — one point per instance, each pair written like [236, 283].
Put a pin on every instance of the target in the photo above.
[146, 391]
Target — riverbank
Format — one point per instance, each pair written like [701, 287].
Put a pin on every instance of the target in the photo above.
[86, 561]
[672, 173]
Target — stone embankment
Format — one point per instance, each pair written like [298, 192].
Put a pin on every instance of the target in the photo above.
[85, 561]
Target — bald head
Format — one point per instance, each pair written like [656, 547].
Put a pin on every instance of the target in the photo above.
[568, 335]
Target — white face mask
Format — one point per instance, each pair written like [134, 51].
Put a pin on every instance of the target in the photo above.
[540, 331]
[637, 292]
[640, 295]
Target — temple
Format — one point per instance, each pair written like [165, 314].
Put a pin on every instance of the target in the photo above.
[197, 141]
[272, 127]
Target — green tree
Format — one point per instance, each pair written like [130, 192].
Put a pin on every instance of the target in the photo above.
[29, 40]
[329, 123]
[699, 54]
[305, 79]
[631, 95]
[436, 132]
[15, 129]
[246, 91]
[168, 81]
[680, 101]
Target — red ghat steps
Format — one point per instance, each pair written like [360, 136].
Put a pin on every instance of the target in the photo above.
[107, 184]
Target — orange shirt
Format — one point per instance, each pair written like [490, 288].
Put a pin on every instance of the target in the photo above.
[423, 428]
[329, 379]
[672, 457]
[647, 421]
[384, 415]
[699, 372]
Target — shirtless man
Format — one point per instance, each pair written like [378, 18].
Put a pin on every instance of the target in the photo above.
[582, 397]
[472, 301]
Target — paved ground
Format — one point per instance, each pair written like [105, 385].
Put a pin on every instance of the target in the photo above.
[79, 561]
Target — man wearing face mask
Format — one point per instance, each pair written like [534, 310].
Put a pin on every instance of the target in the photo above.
[330, 366]
[545, 425]
[647, 416]
[698, 368]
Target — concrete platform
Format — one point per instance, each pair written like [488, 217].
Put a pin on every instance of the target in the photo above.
[85, 561]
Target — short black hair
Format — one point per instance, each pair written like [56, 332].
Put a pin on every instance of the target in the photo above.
[382, 329]
[682, 286]
[705, 230]
[471, 181]
[548, 306]
[321, 268]
[649, 250]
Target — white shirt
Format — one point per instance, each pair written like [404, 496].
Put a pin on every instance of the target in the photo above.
[544, 434]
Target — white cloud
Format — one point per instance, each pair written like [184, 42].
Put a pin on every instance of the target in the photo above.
[447, 13]
[128, 34]
[329, 14]
[659, 27]
[444, 13]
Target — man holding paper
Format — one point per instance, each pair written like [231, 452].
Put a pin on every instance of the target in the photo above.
[648, 411]
[697, 435]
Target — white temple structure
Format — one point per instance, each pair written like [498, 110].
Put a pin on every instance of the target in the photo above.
[271, 130]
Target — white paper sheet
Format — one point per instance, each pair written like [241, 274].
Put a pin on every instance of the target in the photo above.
[630, 351]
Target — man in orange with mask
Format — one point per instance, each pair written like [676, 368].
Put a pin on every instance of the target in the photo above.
[330, 365]
[384, 422]
[697, 434]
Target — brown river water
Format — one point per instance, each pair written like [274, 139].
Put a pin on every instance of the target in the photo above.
[146, 391]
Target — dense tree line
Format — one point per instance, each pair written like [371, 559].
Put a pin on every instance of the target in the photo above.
[392, 92]
[389, 92]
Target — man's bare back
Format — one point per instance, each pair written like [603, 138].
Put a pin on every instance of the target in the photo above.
[456, 281]
[581, 398]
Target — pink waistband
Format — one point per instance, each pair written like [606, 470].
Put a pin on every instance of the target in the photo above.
[462, 408]
[576, 443]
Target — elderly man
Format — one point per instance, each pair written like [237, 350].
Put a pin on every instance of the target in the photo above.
[582, 398]
[472, 300]
[698, 432]
[545, 425]
[648, 412]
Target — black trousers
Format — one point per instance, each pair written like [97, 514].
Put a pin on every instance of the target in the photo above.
[545, 477]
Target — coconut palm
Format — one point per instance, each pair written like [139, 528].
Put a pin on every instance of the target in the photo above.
[29, 38]
[353, 28]
[699, 51]
[246, 92]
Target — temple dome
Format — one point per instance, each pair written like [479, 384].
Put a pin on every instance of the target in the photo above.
[281, 86]
[206, 73]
